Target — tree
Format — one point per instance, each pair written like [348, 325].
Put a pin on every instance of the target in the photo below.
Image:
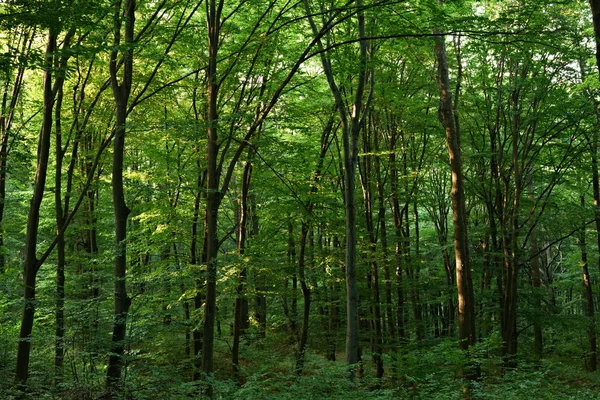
[32, 264]
[351, 124]
[449, 119]
[121, 89]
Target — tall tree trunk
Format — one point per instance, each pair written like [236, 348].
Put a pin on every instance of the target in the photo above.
[60, 246]
[466, 308]
[121, 92]
[213, 9]
[201, 182]
[510, 238]
[398, 254]
[240, 309]
[31, 266]
[595, 6]
[306, 294]
[538, 345]
[31, 262]
[381, 222]
[365, 177]
[305, 232]
[351, 124]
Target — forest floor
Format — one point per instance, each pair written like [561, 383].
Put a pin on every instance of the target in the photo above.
[429, 372]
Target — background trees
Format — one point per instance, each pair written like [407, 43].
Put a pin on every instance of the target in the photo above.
[239, 133]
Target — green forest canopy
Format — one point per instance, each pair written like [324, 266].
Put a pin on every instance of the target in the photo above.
[299, 199]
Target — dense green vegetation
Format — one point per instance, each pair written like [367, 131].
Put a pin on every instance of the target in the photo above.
[299, 199]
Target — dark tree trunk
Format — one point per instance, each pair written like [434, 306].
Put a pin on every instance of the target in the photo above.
[306, 294]
[365, 176]
[121, 92]
[240, 309]
[351, 125]
[31, 263]
[538, 344]
[399, 250]
[214, 196]
[590, 360]
[384, 247]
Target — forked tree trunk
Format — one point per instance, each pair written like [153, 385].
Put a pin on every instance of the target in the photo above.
[351, 124]
[31, 265]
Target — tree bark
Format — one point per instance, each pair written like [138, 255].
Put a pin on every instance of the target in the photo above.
[590, 359]
[214, 197]
[538, 344]
[351, 124]
[240, 309]
[31, 266]
[366, 171]
[466, 313]
[121, 92]
[31, 262]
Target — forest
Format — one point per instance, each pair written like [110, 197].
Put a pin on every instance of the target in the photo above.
[299, 199]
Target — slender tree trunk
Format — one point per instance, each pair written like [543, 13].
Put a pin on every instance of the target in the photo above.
[365, 176]
[260, 300]
[213, 8]
[535, 281]
[240, 312]
[384, 247]
[31, 263]
[595, 6]
[398, 254]
[351, 125]
[466, 313]
[306, 294]
[590, 361]
[121, 92]
[510, 242]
